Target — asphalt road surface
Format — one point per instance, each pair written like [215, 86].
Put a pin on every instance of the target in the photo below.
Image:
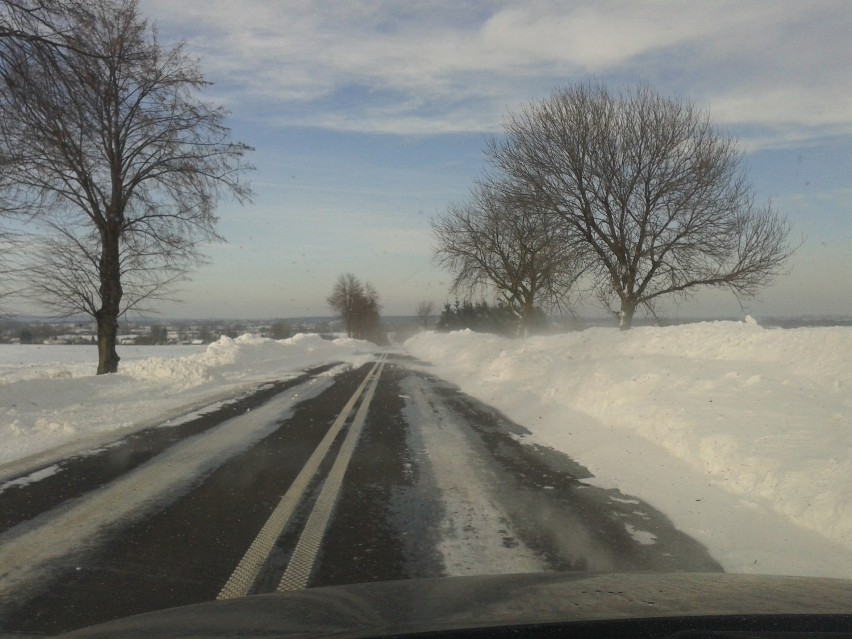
[338, 476]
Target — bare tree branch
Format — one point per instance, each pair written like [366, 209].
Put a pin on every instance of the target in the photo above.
[36, 23]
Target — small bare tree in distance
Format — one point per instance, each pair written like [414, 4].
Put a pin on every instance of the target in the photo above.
[357, 304]
[424, 311]
[343, 299]
[657, 195]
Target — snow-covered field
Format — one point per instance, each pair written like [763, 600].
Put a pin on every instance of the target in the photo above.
[742, 435]
[51, 401]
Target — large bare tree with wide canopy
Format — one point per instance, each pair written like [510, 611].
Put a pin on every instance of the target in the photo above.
[656, 194]
[118, 159]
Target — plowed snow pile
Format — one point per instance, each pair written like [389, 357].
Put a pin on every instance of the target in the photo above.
[675, 414]
[50, 397]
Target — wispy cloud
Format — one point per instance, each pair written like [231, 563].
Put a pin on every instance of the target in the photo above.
[449, 66]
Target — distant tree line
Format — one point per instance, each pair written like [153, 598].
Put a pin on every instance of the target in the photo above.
[483, 317]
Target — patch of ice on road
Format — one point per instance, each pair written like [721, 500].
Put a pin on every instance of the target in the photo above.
[334, 371]
[195, 414]
[476, 537]
[32, 478]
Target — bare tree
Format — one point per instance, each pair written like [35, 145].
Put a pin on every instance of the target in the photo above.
[366, 322]
[63, 271]
[343, 298]
[505, 243]
[120, 158]
[425, 310]
[358, 306]
[657, 195]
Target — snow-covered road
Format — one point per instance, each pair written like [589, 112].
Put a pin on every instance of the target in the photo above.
[476, 534]
[342, 475]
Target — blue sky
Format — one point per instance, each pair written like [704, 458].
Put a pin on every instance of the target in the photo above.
[369, 118]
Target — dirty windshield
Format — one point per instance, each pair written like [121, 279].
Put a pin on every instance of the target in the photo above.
[310, 294]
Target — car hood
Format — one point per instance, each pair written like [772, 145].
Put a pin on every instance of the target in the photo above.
[420, 605]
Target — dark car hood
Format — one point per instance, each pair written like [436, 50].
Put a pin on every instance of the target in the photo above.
[485, 601]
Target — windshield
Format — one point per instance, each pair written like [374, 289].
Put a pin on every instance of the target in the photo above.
[300, 295]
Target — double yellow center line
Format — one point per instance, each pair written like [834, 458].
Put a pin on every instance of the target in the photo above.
[304, 556]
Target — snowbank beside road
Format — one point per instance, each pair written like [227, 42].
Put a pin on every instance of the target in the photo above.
[50, 397]
[741, 435]
[669, 413]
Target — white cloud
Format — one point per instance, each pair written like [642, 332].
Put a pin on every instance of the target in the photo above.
[448, 66]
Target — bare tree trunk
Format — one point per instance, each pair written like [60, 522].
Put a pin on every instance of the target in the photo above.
[107, 333]
[111, 292]
[527, 318]
[625, 317]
